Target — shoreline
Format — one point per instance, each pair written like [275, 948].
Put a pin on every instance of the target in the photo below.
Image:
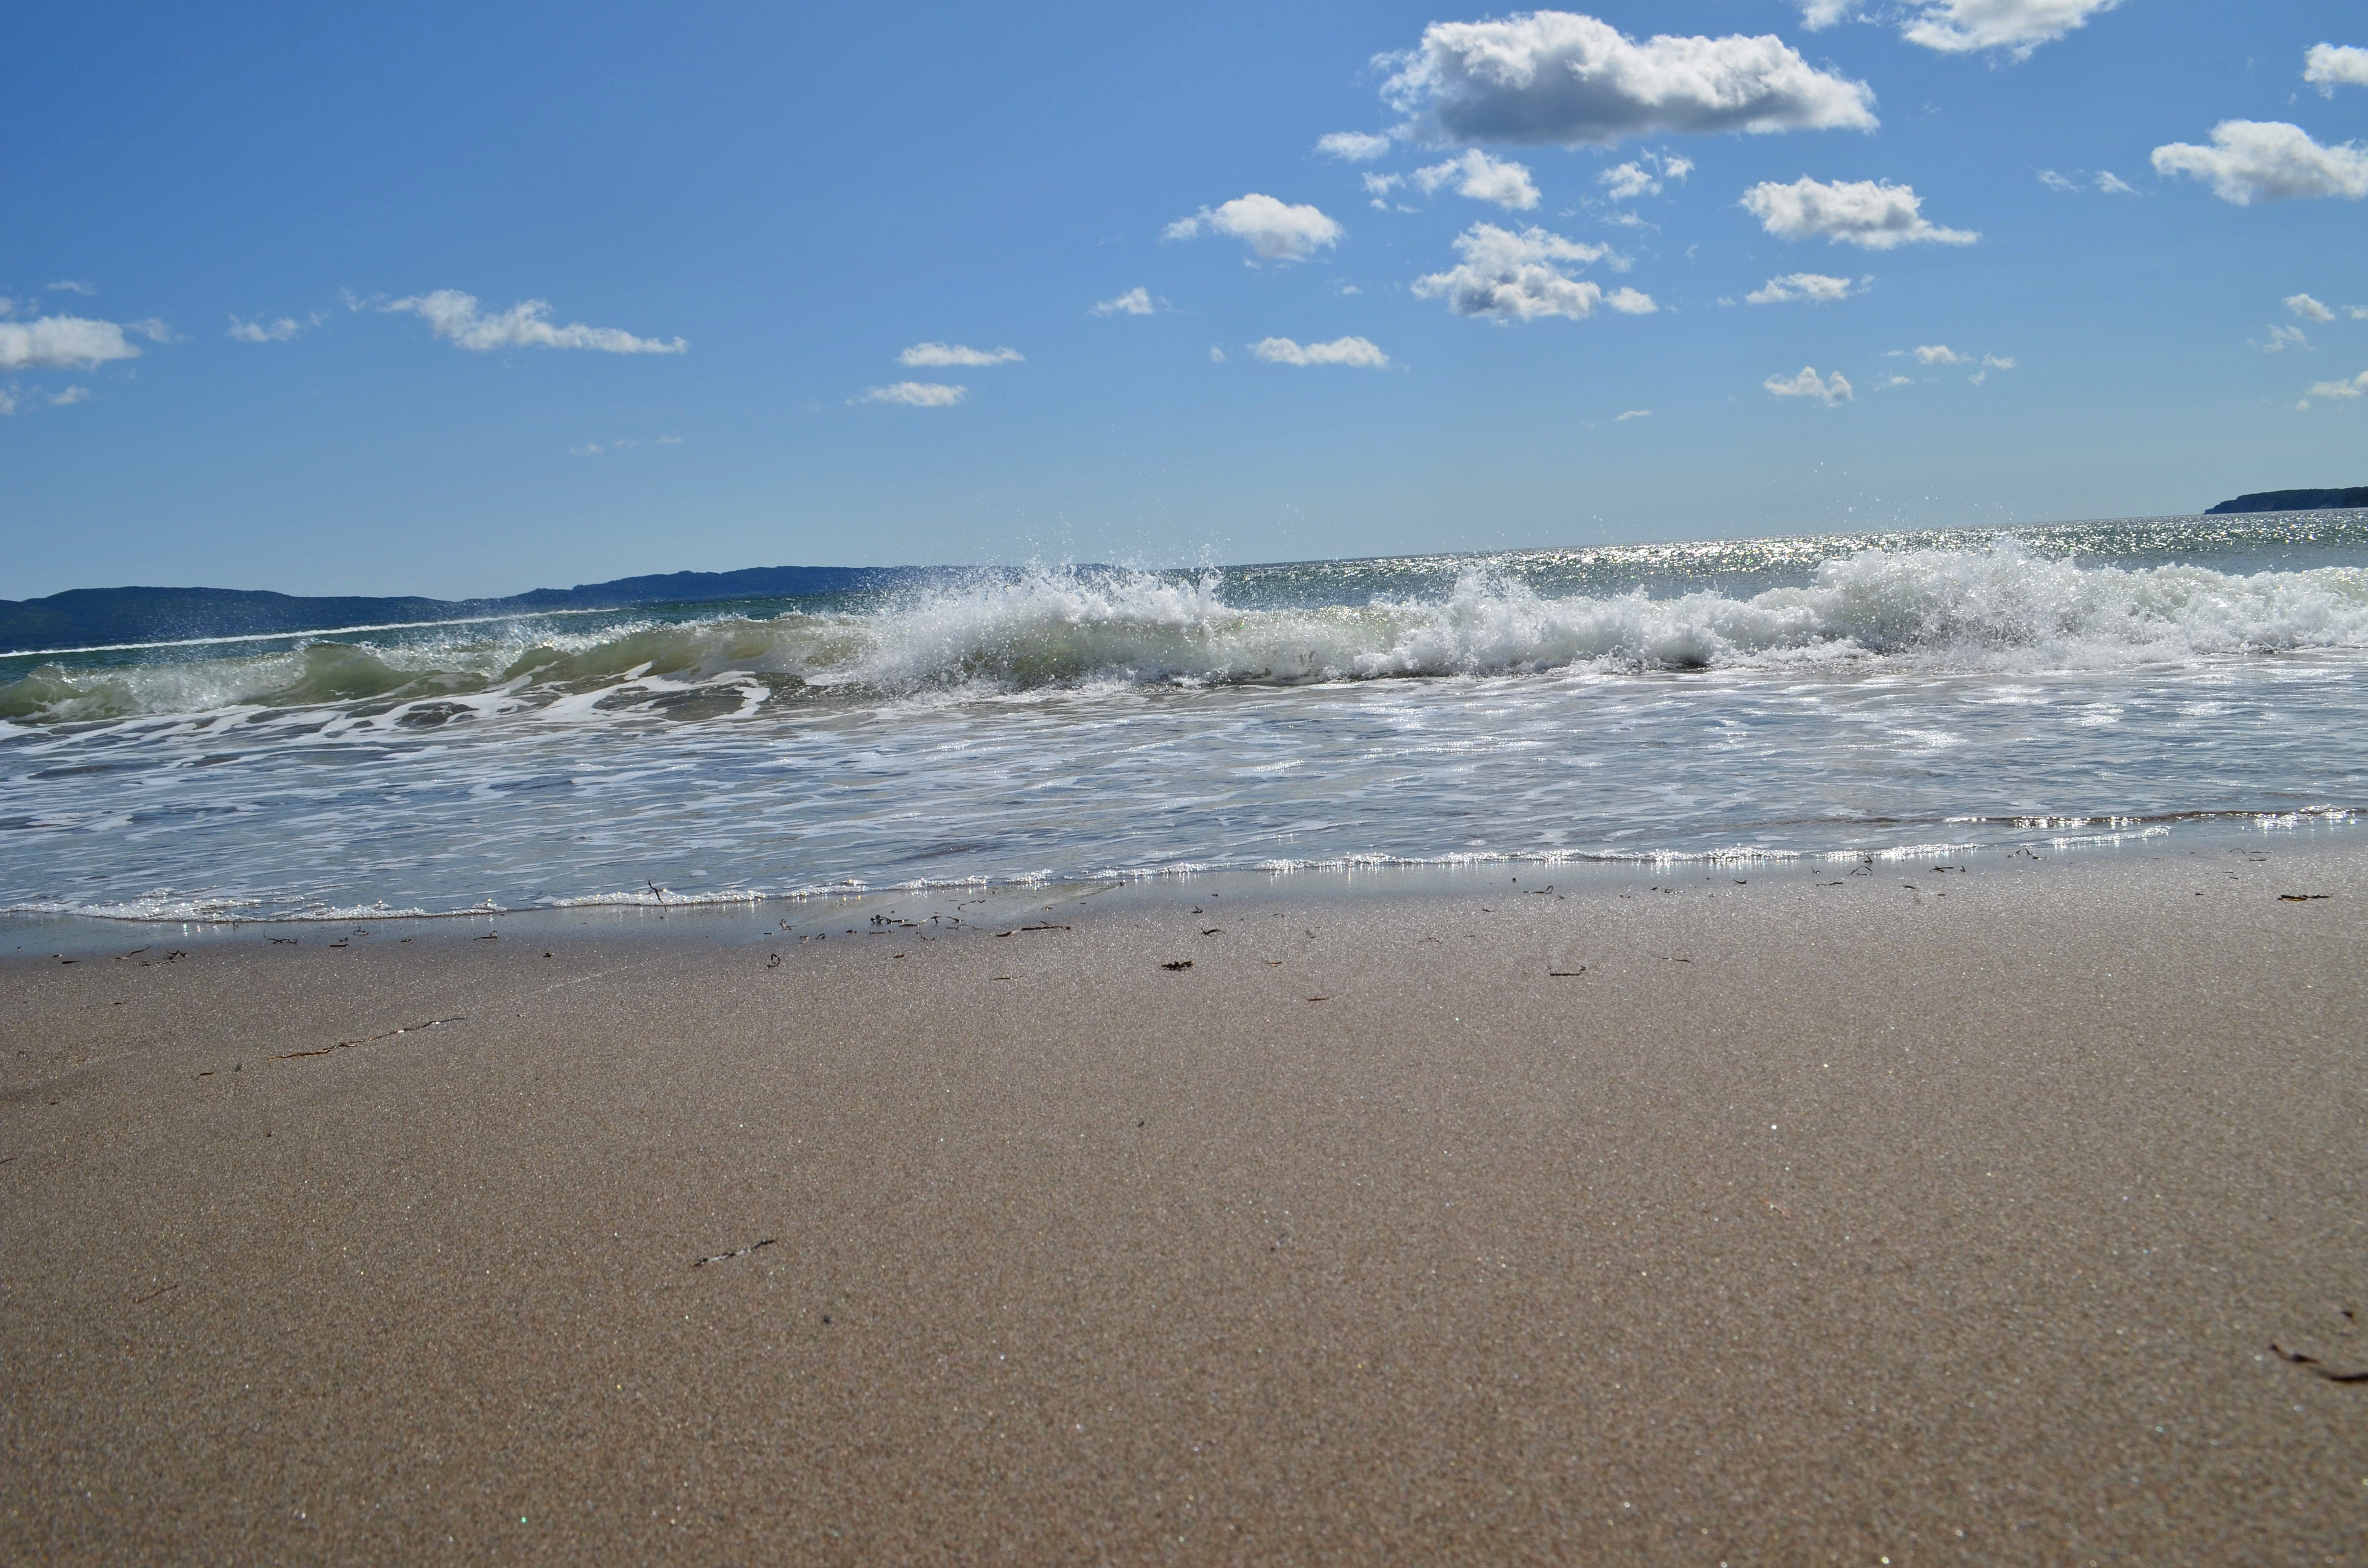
[1777, 1216]
[2078, 840]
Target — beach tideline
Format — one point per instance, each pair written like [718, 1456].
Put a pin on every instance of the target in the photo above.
[1764, 1214]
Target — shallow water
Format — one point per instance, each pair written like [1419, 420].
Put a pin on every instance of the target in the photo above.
[1817, 696]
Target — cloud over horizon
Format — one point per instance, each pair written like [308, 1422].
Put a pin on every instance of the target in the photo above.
[1357, 352]
[937, 354]
[1833, 391]
[915, 394]
[1134, 302]
[455, 316]
[2255, 160]
[1873, 214]
[1960, 26]
[1509, 277]
[60, 342]
[1274, 229]
[1556, 77]
[1814, 287]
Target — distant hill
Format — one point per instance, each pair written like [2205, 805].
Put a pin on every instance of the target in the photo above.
[85, 617]
[2295, 500]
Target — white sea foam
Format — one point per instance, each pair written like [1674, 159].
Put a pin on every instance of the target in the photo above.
[2002, 607]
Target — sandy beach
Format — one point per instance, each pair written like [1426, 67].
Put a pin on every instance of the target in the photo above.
[1779, 1214]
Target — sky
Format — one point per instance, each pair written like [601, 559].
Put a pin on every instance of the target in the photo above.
[462, 301]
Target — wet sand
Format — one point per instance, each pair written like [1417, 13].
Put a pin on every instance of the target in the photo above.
[1788, 1216]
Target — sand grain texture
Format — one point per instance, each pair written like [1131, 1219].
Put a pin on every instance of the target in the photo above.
[1791, 1223]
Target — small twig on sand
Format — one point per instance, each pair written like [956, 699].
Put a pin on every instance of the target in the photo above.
[728, 1256]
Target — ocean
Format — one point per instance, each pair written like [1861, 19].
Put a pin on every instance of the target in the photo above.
[1842, 695]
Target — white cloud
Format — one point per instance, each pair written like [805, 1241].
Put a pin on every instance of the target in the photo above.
[12, 400]
[1957, 26]
[455, 316]
[2353, 388]
[1510, 277]
[956, 354]
[1889, 381]
[1484, 178]
[280, 331]
[1358, 352]
[2307, 308]
[1134, 302]
[1643, 176]
[1875, 214]
[1831, 390]
[1818, 15]
[1998, 362]
[2357, 312]
[2111, 184]
[7, 306]
[1378, 186]
[1634, 414]
[2254, 160]
[1355, 146]
[1553, 76]
[56, 343]
[2282, 338]
[1940, 354]
[1216, 355]
[70, 286]
[2054, 181]
[1275, 230]
[1814, 287]
[2329, 65]
[916, 395]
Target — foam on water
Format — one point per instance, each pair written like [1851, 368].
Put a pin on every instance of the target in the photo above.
[1766, 698]
[2000, 608]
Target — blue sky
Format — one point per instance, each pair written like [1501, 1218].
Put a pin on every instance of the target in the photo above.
[239, 350]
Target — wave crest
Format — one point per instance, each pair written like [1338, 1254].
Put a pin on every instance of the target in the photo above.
[1998, 607]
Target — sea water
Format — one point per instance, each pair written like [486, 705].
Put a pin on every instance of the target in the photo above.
[1835, 696]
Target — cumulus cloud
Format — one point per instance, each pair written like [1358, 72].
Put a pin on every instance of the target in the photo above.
[2307, 308]
[2282, 338]
[2327, 66]
[2254, 160]
[1519, 276]
[1357, 352]
[1134, 302]
[1814, 287]
[70, 286]
[1875, 214]
[1998, 361]
[916, 395]
[58, 343]
[455, 316]
[1938, 353]
[2054, 181]
[1643, 176]
[956, 354]
[1275, 230]
[1557, 78]
[1481, 178]
[1355, 146]
[1818, 15]
[2353, 388]
[1959, 27]
[1832, 391]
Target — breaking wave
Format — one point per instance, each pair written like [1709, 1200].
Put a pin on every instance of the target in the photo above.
[1998, 607]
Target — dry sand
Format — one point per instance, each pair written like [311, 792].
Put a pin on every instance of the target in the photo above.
[1801, 1218]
